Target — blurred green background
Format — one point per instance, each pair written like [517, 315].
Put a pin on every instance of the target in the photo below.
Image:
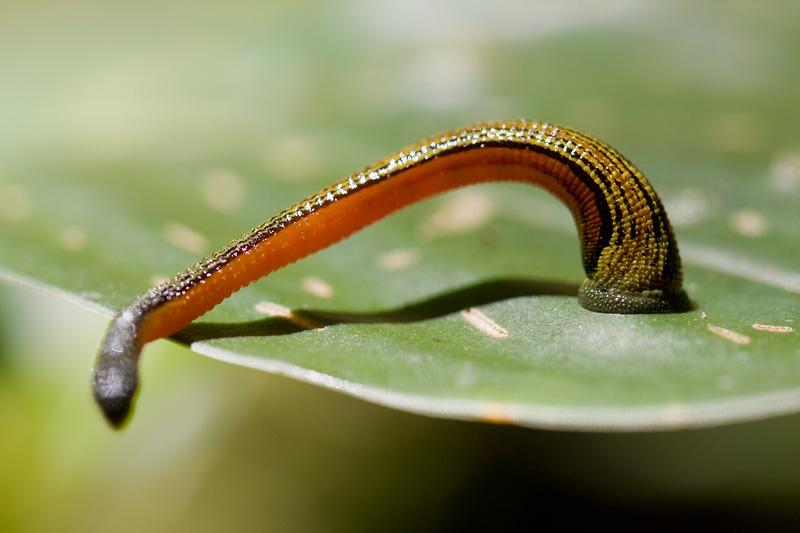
[310, 91]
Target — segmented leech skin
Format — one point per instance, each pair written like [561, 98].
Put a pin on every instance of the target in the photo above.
[629, 251]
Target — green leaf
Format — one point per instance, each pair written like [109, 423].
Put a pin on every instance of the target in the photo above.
[123, 190]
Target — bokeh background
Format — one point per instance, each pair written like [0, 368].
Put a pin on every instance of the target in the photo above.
[311, 91]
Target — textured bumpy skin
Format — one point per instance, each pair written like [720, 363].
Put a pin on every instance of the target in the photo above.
[629, 251]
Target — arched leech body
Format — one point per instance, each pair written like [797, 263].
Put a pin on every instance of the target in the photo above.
[628, 248]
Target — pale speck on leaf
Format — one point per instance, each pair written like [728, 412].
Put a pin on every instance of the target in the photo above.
[689, 207]
[399, 259]
[483, 323]
[317, 287]
[223, 190]
[772, 328]
[443, 78]
[785, 172]
[461, 213]
[272, 309]
[730, 335]
[185, 238]
[291, 157]
[749, 223]
[73, 239]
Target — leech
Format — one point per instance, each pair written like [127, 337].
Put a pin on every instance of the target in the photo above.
[629, 251]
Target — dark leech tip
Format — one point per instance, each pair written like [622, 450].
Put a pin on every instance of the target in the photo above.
[116, 410]
[114, 389]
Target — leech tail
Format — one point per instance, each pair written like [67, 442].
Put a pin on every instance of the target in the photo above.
[116, 374]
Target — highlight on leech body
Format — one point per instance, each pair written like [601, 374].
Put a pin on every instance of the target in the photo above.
[628, 248]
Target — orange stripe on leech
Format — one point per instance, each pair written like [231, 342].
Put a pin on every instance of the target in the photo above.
[361, 208]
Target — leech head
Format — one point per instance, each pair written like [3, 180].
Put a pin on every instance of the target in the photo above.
[116, 375]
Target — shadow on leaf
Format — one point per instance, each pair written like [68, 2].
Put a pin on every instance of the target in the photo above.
[434, 307]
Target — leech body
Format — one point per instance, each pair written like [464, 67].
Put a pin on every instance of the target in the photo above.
[629, 252]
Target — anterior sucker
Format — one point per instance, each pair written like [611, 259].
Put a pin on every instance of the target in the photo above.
[628, 248]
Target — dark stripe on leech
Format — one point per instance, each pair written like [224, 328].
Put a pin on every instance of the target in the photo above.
[655, 215]
[626, 167]
[659, 215]
[602, 170]
[619, 196]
